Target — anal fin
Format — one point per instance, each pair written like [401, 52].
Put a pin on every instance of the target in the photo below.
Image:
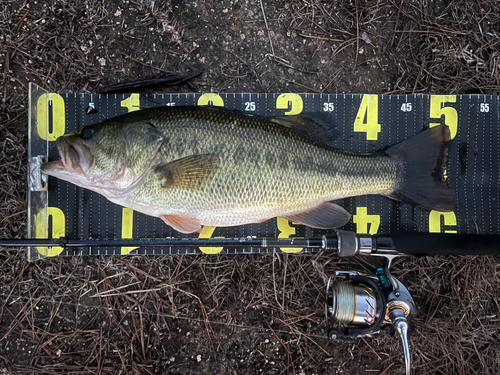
[182, 224]
[326, 216]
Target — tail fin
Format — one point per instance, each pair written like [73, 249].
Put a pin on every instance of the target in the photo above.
[423, 161]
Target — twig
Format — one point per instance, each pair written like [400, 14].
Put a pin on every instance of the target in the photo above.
[108, 293]
[222, 66]
[299, 84]
[267, 27]
[274, 286]
[143, 63]
[324, 32]
[343, 46]
[335, 75]
[130, 265]
[17, 213]
[281, 341]
[429, 32]
[418, 77]
[321, 38]
[158, 80]
[357, 29]
[4, 79]
[387, 369]
[20, 22]
[14, 119]
[12, 162]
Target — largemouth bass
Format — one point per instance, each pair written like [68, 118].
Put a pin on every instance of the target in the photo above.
[194, 166]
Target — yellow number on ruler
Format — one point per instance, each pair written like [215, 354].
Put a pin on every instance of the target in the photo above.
[362, 219]
[438, 109]
[368, 109]
[58, 116]
[449, 218]
[216, 100]
[132, 103]
[297, 104]
[285, 232]
[42, 229]
[127, 228]
[207, 232]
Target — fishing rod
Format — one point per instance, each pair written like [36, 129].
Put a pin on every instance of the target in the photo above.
[360, 304]
[343, 243]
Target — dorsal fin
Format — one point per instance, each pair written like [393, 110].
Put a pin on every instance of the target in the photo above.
[311, 125]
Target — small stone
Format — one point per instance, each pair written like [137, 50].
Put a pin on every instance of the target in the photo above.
[365, 37]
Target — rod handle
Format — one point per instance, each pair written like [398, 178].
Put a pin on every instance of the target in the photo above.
[420, 244]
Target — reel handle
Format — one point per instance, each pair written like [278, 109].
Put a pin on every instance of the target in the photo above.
[399, 321]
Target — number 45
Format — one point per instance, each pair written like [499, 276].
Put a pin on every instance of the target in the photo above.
[406, 107]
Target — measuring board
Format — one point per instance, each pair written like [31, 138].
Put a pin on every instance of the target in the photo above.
[359, 122]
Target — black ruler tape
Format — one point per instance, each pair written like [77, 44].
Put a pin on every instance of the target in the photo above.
[358, 123]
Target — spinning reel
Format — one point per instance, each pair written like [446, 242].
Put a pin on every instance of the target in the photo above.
[360, 305]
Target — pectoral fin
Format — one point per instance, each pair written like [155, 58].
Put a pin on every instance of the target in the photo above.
[325, 216]
[189, 172]
[182, 224]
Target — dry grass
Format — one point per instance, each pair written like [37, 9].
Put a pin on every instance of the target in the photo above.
[436, 47]
[112, 315]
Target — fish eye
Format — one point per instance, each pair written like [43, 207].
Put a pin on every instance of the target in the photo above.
[87, 133]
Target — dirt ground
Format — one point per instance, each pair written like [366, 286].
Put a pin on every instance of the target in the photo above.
[242, 314]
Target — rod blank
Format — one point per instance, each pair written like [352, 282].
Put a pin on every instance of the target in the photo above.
[181, 242]
[343, 243]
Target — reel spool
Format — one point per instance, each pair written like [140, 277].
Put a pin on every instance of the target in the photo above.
[361, 304]
[356, 304]
[353, 304]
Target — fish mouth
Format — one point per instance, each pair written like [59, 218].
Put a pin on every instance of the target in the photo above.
[74, 157]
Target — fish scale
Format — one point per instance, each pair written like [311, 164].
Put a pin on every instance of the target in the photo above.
[196, 166]
[247, 187]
